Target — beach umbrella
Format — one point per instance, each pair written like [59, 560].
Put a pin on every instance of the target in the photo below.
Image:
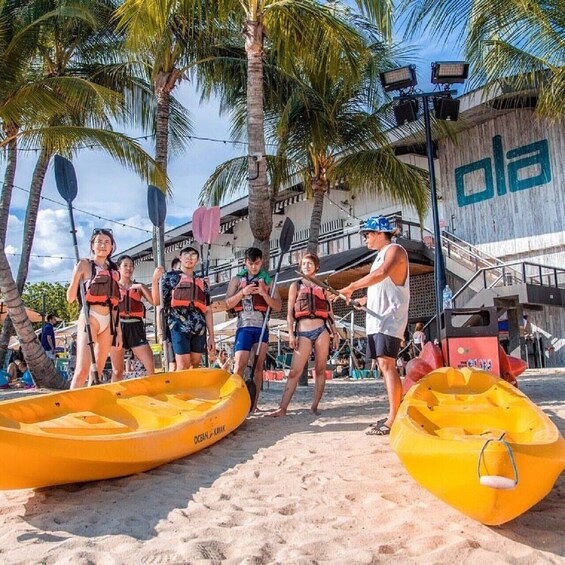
[33, 316]
[226, 330]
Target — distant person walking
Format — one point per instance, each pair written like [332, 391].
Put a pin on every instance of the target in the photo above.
[187, 303]
[48, 336]
[100, 277]
[132, 321]
[388, 294]
[249, 295]
[310, 325]
[418, 339]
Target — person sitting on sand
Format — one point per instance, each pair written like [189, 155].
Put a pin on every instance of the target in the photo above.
[223, 360]
[310, 325]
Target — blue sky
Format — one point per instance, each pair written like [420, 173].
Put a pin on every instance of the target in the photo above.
[107, 191]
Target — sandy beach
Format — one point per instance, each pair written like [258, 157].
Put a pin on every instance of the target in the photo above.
[303, 489]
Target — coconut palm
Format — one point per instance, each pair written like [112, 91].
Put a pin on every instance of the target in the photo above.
[327, 129]
[64, 44]
[171, 40]
[285, 26]
[520, 43]
[306, 29]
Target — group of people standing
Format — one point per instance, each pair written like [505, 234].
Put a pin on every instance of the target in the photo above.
[113, 319]
[115, 314]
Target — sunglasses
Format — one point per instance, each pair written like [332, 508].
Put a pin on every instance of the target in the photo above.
[105, 231]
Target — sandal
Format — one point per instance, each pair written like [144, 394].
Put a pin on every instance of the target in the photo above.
[378, 423]
[382, 430]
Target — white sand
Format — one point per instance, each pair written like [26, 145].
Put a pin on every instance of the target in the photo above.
[302, 489]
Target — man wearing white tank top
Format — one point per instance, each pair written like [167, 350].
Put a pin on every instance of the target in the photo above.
[388, 296]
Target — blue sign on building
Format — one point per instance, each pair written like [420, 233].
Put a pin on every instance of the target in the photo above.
[500, 176]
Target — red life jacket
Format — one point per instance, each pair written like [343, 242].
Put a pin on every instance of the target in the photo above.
[190, 291]
[259, 303]
[131, 304]
[102, 287]
[311, 303]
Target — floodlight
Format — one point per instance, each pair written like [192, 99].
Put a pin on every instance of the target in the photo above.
[446, 108]
[396, 79]
[406, 112]
[450, 72]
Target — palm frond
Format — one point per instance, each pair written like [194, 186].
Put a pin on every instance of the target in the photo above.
[67, 140]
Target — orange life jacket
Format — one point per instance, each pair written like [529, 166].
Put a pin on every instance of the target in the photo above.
[190, 291]
[311, 302]
[131, 304]
[259, 303]
[103, 287]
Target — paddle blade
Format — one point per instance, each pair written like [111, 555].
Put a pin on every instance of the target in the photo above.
[211, 226]
[287, 235]
[198, 224]
[156, 205]
[65, 178]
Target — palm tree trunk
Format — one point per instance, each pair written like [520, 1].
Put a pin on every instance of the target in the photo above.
[31, 216]
[41, 367]
[5, 201]
[8, 186]
[260, 214]
[164, 85]
[8, 329]
[319, 187]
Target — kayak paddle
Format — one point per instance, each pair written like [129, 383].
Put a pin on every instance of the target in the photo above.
[157, 208]
[67, 186]
[331, 290]
[206, 229]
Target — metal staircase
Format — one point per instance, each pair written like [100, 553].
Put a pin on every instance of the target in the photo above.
[488, 281]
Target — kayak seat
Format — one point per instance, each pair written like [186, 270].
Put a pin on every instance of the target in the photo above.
[81, 423]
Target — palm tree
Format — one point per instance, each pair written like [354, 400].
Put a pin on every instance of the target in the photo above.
[306, 29]
[328, 129]
[288, 27]
[57, 37]
[519, 43]
[171, 40]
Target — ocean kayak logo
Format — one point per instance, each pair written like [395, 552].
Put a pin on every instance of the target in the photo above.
[521, 168]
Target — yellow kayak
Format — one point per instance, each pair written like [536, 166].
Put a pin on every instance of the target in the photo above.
[116, 429]
[478, 443]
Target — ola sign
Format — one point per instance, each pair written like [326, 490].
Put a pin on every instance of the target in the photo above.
[525, 167]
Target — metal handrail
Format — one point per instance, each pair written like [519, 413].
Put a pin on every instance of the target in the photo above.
[523, 265]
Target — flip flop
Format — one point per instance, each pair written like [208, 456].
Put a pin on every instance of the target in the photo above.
[382, 430]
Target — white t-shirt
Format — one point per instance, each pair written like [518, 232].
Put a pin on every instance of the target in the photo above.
[389, 301]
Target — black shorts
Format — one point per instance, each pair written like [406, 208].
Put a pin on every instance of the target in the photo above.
[382, 345]
[133, 334]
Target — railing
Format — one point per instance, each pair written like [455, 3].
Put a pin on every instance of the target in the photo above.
[530, 273]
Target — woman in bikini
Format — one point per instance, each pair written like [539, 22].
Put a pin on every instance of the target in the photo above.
[310, 325]
[132, 314]
[100, 277]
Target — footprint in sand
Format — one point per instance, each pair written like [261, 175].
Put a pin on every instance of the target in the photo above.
[287, 510]
[161, 557]
[210, 549]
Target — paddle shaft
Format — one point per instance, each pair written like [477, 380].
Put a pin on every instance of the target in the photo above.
[157, 214]
[93, 368]
[266, 319]
[326, 286]
[206, 228]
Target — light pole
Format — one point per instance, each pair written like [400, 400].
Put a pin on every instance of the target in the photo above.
[406, 110]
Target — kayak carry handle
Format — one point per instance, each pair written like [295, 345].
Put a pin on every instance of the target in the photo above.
[497, 481]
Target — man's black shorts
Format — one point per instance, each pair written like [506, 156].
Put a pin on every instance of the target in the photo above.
[382, 345]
